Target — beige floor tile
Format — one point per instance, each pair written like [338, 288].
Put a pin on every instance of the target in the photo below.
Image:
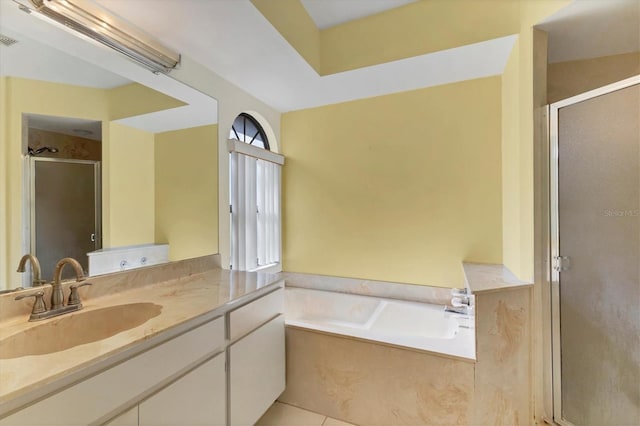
[334, 422]
[287, 415]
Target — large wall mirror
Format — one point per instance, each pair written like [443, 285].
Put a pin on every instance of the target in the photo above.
[97, 153]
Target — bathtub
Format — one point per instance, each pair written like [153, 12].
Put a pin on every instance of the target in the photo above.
[406, 324]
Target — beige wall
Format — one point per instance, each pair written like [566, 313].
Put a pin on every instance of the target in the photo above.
[4, 183]
[396, 188]
[232, 100]
[518, 125]
[566, 79]
[130, 217]
[186, 191]
[135, 99]
[510, 161]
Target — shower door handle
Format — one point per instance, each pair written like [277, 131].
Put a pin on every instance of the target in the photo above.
[93, 238]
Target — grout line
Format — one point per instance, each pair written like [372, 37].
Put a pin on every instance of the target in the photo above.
[309, 411]
[303, 409]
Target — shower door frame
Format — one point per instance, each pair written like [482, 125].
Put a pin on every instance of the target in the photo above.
[29, 211]
[554, 237]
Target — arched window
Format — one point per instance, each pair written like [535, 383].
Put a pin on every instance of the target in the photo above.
[246, 129]
[254, 177]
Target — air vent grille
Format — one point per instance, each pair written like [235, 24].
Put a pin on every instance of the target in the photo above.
[6, 40]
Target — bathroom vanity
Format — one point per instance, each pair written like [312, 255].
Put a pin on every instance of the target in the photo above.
[212, 352]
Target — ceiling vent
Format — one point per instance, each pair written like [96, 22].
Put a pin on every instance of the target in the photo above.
[6, 40]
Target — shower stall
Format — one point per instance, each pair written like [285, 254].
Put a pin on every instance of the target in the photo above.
[64, 210]
[595, 256]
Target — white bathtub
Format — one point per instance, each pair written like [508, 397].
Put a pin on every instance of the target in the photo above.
[409, 324]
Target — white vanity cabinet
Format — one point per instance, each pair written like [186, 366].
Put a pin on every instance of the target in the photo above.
[190, 376]
[198, 398]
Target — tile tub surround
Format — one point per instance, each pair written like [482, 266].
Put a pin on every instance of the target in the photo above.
[200, 295]
[503, 382]
[503, 308]
[370, 384]
[483, 278]
[366, 383]
[384, 289]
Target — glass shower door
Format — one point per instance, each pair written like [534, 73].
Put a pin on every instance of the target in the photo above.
[596, 250]
[66, 211]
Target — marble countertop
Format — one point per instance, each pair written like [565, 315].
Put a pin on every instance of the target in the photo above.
[184, 300]
[484, 278]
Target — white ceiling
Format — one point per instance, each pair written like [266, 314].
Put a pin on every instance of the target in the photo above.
[328, 13]
[593, 28]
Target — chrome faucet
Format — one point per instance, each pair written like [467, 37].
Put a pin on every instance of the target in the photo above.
[40, 311]
[35, 268]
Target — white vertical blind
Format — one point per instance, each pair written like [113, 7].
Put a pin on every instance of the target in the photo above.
[268, 212]
[255, 209]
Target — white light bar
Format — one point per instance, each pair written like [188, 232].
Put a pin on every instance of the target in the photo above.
[95, 22]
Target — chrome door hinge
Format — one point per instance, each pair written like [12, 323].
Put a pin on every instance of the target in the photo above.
[561, 263]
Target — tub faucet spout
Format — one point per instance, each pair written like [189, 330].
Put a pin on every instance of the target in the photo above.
[461, 303]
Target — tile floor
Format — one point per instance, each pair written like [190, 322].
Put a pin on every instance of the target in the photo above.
[287, 415]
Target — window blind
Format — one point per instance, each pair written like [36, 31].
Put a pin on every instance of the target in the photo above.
[255, 207]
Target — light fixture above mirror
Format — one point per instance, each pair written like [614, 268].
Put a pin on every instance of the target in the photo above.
[97, 23]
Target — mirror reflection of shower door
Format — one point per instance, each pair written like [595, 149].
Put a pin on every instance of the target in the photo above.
[596, 192]
[65, 211]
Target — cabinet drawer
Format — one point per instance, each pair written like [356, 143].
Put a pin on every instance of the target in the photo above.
[252, 315]
[106, 392]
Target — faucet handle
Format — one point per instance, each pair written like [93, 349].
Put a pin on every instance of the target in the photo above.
[456, 292]
[459, 302]
[74, 298]
[39, 305]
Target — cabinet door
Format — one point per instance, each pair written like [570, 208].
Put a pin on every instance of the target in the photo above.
[198, 398]
[257, 368]
[128, 418]
[103, 393]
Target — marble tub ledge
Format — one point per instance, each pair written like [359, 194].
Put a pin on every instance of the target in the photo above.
[486, 278]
